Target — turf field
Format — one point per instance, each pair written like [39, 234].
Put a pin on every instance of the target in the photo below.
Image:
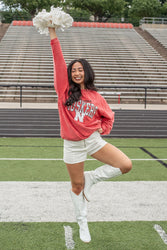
[40, 160]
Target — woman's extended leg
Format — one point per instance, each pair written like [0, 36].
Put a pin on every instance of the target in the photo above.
[76, 172]
[116, 161]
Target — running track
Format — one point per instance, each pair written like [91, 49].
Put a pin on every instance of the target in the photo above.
[45, 123]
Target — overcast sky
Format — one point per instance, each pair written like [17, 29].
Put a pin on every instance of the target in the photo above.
[1, 5]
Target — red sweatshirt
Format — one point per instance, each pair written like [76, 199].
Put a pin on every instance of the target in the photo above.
[85, 116]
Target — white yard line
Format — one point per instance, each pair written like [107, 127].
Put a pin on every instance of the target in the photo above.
[111, 201]
[31, 159]
[70, 244]
[61, 159]
[161, 233]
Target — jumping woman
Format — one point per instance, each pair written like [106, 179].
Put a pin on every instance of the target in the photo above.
[84, 117]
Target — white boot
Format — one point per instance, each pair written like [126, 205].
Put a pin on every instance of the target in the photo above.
[81, 215]
[102, 173]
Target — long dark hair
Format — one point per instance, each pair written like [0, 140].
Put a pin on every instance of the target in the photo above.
[74, 92]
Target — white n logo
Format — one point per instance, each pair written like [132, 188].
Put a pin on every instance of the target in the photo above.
[79, 116]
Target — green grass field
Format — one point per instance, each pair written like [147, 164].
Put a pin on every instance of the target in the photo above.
[32, 159]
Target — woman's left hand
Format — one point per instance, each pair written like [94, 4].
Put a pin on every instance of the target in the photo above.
[100, 130]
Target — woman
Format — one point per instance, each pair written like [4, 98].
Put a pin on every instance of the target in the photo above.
[84, 117]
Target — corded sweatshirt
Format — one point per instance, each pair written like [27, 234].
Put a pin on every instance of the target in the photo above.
[85, 116]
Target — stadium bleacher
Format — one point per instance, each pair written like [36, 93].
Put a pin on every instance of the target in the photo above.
[118, 55]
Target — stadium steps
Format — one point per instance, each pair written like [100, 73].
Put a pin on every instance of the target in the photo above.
[156, 38]
[45, 123]
[160, 35]
[3, 29]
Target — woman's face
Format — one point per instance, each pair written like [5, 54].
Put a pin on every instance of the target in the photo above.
[77, 74]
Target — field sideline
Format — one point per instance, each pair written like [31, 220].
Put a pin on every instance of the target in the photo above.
[33, 161]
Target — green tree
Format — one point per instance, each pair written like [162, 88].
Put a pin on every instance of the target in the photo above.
[79, 15]
[128, 2]
[144, 8]
[162, 1]
[127, 7]
[7, 16]
[164, 9]
[99, 8]
[32, 6]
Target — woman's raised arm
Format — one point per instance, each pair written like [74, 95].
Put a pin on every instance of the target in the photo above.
[52, 33]
[60, 68]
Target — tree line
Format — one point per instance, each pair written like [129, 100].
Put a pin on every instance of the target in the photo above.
[87, 10]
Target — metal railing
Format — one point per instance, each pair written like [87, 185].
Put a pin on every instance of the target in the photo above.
[116, 91]
[153, 20]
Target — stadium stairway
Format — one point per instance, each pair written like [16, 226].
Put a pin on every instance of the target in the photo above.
[156, 38]
[45, 123]
[160, 35]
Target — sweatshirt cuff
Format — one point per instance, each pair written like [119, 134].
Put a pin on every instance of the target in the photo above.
[53, 41]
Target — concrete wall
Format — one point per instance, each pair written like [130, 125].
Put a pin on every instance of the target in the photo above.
[153, 25]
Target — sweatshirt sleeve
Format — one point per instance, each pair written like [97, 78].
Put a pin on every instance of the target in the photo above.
[60, 68]
[107, 117]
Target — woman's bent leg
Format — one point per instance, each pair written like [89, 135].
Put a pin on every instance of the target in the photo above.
[116, 161]
[112, 156]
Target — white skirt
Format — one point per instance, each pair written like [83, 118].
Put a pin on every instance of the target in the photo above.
[76, 151]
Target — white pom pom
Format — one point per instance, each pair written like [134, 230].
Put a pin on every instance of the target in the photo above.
[55, 18]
